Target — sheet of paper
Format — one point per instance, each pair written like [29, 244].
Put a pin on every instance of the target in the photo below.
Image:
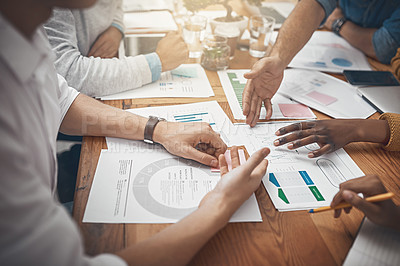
[150, 185]
[324, 93]
[146, 5]
[233, 83]
[294, 181]
[209, 112]
[172, 85]
[327, 52]
[152, 21]
[374, 245]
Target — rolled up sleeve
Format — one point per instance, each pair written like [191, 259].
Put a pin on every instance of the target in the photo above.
[328, 6]
[386, 40]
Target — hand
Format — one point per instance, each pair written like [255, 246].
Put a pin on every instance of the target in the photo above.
[237, 185]
[336, 14]
[107, 44]
[196, 141]
[172, 51]
[330, 135]
[265, 78]
[384, 213]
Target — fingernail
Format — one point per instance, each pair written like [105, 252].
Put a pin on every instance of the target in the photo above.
[347, 195]
[276, 142]
[311, 155]
[290, 146]
[214, 163]
[265, 151]
[277, 133]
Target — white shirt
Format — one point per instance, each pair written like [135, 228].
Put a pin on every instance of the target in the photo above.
[34, 228]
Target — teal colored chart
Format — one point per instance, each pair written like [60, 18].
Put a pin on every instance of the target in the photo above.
[295, 187]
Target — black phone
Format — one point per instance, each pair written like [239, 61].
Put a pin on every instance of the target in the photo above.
[371, 78]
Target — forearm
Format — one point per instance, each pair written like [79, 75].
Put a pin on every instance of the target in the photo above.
[177, 244]
[371, 130]
[296, 31]
[89, 117]
[359, 37]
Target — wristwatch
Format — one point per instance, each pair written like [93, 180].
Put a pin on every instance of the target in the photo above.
[149, 129]
[338, 24]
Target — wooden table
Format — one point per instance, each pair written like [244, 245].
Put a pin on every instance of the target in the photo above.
[283, 238]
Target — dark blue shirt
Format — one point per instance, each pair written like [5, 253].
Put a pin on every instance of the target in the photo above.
[381, 14]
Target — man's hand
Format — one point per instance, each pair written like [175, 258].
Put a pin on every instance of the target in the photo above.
[237, 185]
[172, 51]
[265, 78]
[384, 213]
[196, 141]
[336, 14]
[107, 44]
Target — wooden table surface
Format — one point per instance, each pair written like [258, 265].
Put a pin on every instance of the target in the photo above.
[283, 238]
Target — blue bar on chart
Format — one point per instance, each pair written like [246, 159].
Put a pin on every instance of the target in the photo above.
[196, 117]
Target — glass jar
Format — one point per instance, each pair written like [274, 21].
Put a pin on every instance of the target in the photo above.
[215, 53]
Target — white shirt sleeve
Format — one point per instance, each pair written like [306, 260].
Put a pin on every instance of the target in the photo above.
[66, 96]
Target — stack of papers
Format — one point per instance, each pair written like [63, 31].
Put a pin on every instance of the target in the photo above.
[294, 181]
[188, 80]
[233, 83]
[324, 93]
[140, 183]
[149, 22]
[327, 52]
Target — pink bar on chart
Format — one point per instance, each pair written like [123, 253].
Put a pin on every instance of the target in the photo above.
[295, 110]
[242, 159]
[321, 97]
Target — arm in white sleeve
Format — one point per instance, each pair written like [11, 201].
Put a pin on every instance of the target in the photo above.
[89, 75]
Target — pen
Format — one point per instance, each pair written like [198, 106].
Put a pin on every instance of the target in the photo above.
[376, 198]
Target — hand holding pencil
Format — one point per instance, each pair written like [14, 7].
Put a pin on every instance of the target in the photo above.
[382, 212]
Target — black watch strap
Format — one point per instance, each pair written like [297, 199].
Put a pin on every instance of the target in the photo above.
[149, 129]
[338, 24]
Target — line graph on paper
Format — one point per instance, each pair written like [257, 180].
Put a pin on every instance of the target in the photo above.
[263, 135]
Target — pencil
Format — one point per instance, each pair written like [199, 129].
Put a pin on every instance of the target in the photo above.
[376, 198]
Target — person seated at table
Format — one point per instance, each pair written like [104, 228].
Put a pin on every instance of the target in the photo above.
[371, 26]
[384, 213]
[86, 43]
[35, 103]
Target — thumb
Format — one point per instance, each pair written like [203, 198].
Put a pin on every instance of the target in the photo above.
[256, 70]
[366, 207]
[202, 157]
[255, 160]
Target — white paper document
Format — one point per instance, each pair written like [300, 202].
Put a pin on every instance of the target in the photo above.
[294, 181]
[374, 245]
[209, 112]
[324, 93]
[151, 21]
[150, 185]
[327, 52]
[233, 83]
[188, 80]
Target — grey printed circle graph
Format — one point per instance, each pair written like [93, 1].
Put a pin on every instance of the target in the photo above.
[141, 189]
